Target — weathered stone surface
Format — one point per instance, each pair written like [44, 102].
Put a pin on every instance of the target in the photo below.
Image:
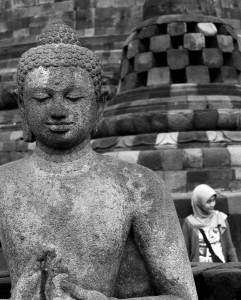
[205, 120]
[126, 68]
[160, 43]
[216, 157]
[226, 119]
[177, 59]
[65, 203]
[225, 43]
[194, 41]
[130, 81]
[180, 121]
[176, 28]
[158, 76]
[144, 62]
[208, 29]
[229, 74]
[171, 160]
[237, 60]
[224, 283]
[197, 74]
[192, 158]
[212, 58]
[147, 32]
[134, 48]
[176, 180]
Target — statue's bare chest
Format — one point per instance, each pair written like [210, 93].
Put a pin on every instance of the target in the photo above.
[84, 216]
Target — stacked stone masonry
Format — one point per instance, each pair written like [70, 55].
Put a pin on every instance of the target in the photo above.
[181, 52]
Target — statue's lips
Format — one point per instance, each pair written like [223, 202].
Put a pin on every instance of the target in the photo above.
[59, 127]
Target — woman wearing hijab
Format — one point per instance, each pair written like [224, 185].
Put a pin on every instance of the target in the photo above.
[206, 231]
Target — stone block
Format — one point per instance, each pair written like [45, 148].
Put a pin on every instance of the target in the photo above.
[176, 28]
[192, 158]
[159, 123]
[148, 31]
[218, 101]
[130, 81]
[196, 102]
[158, 76]
[142, 124]
[126, 67]
[180, 120]
[225, 42]
[172, 160]
[129, 156]
[212, 57]
[227, 119]
[176, 180]
[227, 30]
[197, 74]
[205, 120]
[22, 3]
[224, 283]
[20, 33]
[229, 74]
[235, 157]
[177, 59]
[64, 5]
[135, 47]
[5, 158]
[150, 159]
[237, 60]
[144, 62]
[208, 29]
[216, 157]
[9, 146]
[160, 43]
[194, 41]
[45, 1]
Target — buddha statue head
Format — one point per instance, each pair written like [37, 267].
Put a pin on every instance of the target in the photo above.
[59, 89]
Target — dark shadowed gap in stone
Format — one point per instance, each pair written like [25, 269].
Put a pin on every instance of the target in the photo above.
[227, 59]
[160, 59]
[215, 75]
[178, 76]
[124, 52]
[195, 58]
[162, 28]
[191, 27]
[145, 43]
[142, 79]
[177, 41]
[211, 42]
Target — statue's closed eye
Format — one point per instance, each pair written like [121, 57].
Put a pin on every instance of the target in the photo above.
[41, 96]
[74, 97]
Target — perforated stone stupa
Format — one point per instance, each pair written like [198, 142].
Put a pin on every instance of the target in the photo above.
[177, 110]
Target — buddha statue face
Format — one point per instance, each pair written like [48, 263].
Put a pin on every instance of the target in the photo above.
[59, 89]
[60, 106]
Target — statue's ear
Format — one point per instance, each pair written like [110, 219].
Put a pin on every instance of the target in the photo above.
[101, 106]
[19, 98]
[27, 133]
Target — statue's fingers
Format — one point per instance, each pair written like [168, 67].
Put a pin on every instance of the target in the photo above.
[73, 290]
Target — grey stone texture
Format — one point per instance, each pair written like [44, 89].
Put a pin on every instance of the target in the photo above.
[67, 213]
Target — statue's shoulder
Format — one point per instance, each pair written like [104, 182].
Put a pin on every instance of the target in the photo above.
[12, 170]
[134, 171]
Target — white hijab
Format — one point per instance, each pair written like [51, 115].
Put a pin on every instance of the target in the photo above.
[201, 194]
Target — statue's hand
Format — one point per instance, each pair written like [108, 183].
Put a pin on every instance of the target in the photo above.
[29, 283]
[79, 293]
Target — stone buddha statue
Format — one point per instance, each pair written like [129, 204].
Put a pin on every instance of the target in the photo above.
[66, 212]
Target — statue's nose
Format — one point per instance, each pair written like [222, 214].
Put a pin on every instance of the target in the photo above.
[58, 110]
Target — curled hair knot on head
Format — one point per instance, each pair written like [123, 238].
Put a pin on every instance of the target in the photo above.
[58, 46]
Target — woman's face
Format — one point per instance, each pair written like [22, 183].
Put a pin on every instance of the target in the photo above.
[209, 205]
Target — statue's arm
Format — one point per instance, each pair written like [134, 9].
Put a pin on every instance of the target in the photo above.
[159, 238]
